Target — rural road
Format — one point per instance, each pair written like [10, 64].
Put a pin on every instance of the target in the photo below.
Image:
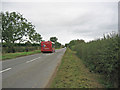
[33, 71]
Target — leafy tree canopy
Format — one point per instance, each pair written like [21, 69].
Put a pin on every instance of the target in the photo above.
[16, 28]
[53, 39]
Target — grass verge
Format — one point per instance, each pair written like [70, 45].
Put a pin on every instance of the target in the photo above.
[18, 54]
[72, 73]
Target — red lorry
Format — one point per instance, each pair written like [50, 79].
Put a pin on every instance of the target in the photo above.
[47, 46]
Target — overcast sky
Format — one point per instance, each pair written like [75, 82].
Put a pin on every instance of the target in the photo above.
[68, 19]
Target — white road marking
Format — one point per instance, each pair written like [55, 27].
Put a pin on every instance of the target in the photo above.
[5, 70]
[33, 60]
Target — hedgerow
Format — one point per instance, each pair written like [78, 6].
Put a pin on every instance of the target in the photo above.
[101, 56]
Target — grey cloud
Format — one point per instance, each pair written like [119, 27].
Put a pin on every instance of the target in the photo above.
[68, 21]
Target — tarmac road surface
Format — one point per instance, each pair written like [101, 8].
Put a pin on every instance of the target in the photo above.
[33, 71]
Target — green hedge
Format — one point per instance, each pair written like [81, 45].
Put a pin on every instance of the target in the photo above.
[19, 49]
[101, 56]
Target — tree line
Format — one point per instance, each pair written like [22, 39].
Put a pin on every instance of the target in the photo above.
[17, 30]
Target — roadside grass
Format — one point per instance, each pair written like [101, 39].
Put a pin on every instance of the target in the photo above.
[72, 73]
[18, 54]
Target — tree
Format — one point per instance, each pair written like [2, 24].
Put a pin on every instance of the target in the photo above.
[11, 27]
[57, 45]
[66, 45]
[53, 39]
[16, 28]
[36, 38]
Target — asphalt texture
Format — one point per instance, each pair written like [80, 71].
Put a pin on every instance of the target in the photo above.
[33, 71]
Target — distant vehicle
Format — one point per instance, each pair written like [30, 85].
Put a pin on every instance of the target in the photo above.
[47, 46]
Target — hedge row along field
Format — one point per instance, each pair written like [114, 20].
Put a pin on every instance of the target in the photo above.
[19, 49]
[101, 56]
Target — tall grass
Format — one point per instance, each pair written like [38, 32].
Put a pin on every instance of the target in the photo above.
[101, 56]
